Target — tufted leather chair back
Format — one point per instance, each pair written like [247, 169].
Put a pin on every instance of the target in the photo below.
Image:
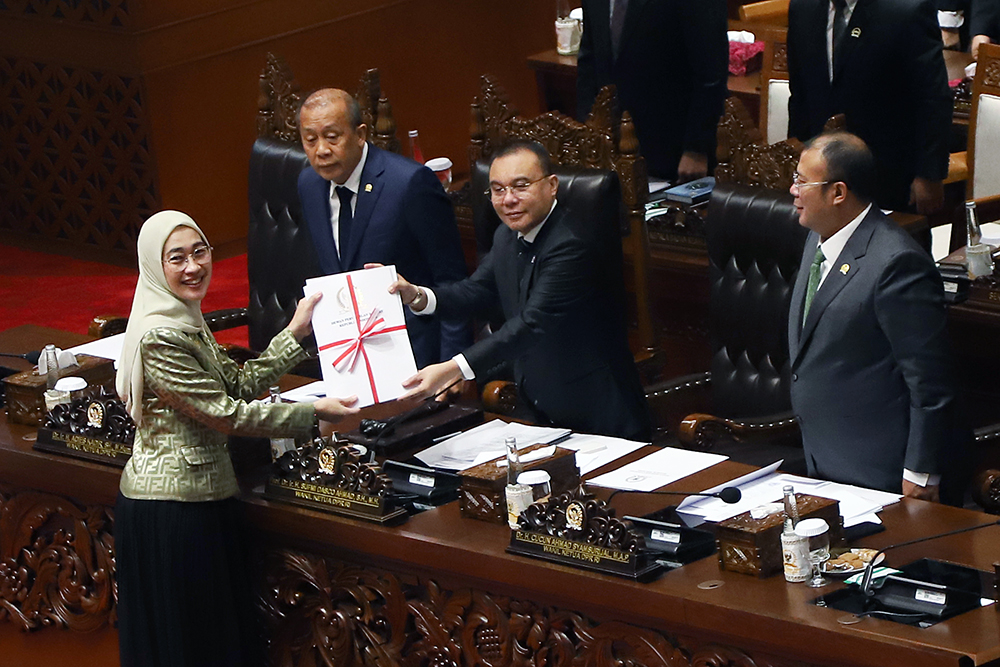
[594, 198]
[754, 245]
[279, 252]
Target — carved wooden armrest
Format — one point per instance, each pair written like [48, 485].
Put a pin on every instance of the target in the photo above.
[226, 318]
[103, 326]
[701, 431]
[500, 396]
[670, 401]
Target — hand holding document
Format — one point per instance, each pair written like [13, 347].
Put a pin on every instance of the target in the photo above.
[361, 334]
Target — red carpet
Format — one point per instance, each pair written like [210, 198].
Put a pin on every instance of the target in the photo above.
[63, 293]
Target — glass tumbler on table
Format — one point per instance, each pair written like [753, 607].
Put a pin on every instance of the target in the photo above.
[817, 531]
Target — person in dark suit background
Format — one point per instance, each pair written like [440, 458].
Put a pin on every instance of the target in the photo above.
[397, 213]
[984, 24]
[871, 364]
[888, 78]
[669, 60]
[564, 331]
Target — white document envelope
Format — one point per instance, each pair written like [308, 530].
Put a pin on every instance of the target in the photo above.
[361, 334]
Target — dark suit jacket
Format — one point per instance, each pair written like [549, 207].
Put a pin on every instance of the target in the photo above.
[671, 73]
[891, 84]
[984, 19]
[563, 332]
[405, 219]
[871, 368]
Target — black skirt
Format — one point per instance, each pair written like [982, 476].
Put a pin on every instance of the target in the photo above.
[184, 597]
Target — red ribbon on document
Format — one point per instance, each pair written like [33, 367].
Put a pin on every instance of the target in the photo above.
[374, 325]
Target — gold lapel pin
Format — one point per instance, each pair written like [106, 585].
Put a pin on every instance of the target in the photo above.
[856, 33]
[844, 268]
[368, 187]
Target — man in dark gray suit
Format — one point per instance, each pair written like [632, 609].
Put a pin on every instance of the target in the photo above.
[871, 365]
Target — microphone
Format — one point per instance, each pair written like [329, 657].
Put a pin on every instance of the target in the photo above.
[866, 580]
[30, 357]
[729, 495]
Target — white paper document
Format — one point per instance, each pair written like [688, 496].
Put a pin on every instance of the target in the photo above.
[307, 393]
[105, 348]
[765, 486]
[597, 451]
[361, 334]
[486, 442]
[658, 469]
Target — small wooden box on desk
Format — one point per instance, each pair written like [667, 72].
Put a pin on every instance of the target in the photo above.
[25, 392]
[753, 546]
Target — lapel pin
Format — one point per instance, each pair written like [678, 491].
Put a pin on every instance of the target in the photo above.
[368, 187]
[844, 268]
[855, 33]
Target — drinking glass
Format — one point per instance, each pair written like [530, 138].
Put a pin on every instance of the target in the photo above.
[817, 531]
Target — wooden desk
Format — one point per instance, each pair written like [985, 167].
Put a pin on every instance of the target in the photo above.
[441, 590]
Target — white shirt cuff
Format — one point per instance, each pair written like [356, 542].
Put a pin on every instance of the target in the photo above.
[464, 366]
[432, 304]
[951, 19]
[921, 478]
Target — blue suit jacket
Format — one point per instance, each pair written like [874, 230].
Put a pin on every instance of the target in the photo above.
[403, 217]
[871, 366]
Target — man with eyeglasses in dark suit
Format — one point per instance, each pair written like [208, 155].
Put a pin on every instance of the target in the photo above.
[564, 328]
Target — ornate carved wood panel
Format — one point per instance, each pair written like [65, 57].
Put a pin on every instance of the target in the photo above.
[56, 562]
[325, 612]
[75, 158]
[113, 13]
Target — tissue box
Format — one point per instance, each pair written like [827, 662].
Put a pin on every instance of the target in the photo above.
[25, 391]
[753, 546]
[482, 493]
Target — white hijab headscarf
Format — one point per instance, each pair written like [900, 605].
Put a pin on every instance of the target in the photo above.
[154, 305]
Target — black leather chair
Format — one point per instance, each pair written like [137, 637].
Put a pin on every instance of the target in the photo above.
[279, 251]
[742, 406]
[594, 198]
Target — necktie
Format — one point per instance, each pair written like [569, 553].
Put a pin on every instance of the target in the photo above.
[346, 218]
[525, 253]
[815, 271]
[617, 23]
[839, 28]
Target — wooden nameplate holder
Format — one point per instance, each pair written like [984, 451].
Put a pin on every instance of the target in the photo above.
[329, 476]
[576, 529]
[94, 429]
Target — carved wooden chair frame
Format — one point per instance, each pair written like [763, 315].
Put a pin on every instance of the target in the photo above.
[279, 99]
[605, 141]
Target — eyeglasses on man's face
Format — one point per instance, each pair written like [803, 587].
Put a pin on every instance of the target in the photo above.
[518, 188]
[179, 260]
[799, 183]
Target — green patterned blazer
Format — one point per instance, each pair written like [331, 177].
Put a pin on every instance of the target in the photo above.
[194, 397]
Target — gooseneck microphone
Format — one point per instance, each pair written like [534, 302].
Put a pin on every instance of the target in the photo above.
[730, 495]
[30, 357]
[866, 581]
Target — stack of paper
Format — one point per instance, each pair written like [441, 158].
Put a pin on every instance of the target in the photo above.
[658, 469]
[764, 486]
[486, 442]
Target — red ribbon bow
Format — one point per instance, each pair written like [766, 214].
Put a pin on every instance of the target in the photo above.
[374, 325]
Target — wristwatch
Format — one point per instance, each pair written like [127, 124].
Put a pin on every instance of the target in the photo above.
[418, 300]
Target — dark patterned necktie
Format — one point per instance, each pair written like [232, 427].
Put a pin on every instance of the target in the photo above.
[346, 218]
[617, 24]
[839, 28]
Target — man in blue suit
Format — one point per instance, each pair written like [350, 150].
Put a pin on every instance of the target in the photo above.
[365, 205]
[867, 336]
